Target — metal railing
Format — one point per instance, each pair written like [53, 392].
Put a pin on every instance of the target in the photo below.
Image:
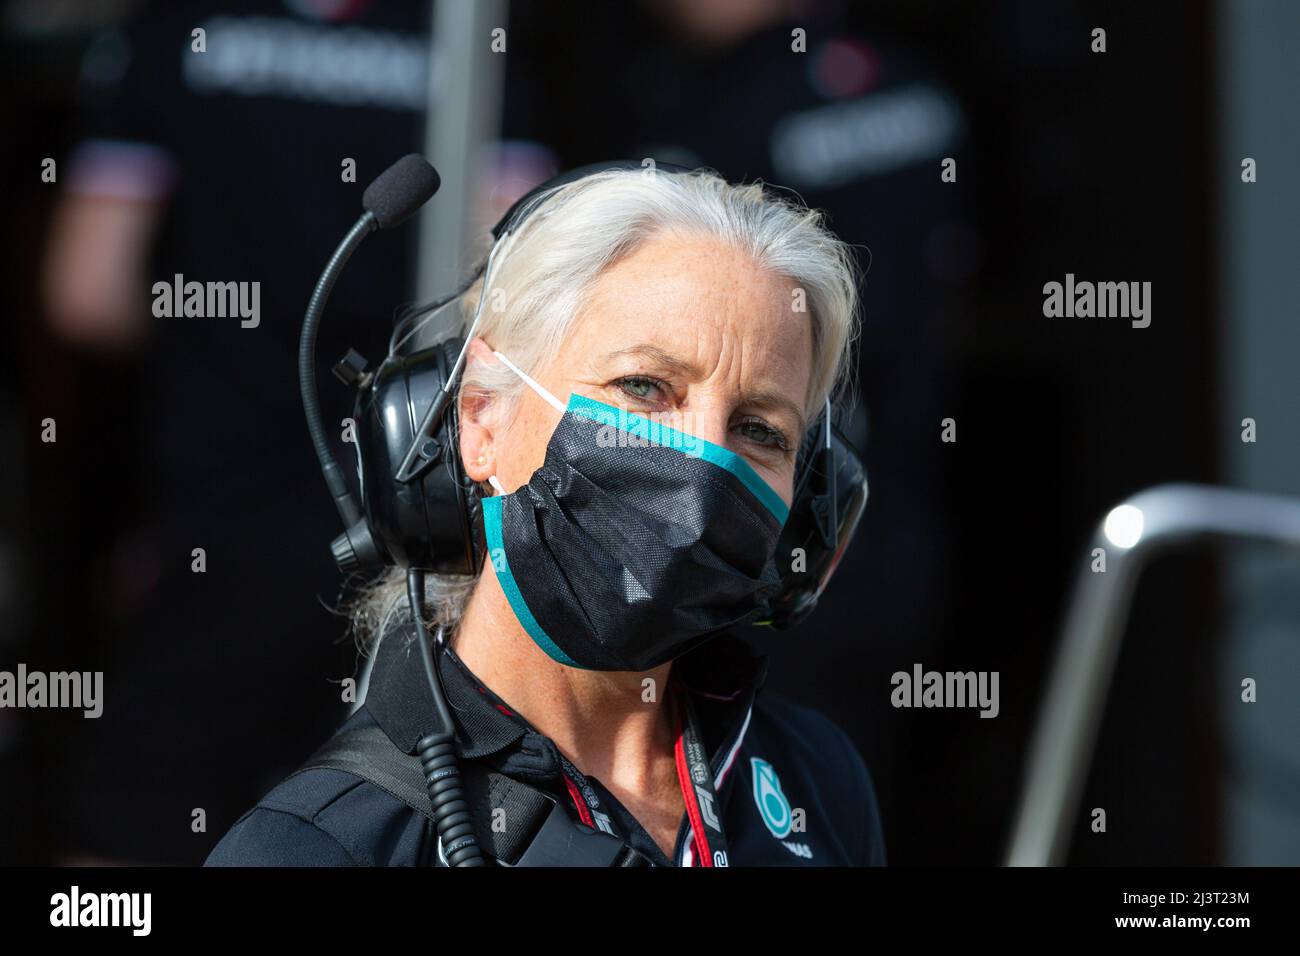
[1132, 534]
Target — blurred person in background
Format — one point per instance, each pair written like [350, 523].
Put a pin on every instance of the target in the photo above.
[226, 165]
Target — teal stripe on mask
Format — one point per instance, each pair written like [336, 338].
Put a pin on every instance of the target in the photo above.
[497, 556]
[691, 445]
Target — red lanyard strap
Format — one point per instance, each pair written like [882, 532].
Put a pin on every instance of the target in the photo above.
[709, 841]
[696, 779]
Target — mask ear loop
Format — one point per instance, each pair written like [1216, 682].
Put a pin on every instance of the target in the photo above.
[536, 387]
[533, 384]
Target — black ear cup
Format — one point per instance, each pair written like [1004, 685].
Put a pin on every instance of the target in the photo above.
[427, 522]
[819, 528]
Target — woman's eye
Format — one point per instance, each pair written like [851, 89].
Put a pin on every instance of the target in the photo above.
[638, 387]
[764, 434]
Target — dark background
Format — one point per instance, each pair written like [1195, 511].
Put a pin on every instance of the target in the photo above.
[1069, 161]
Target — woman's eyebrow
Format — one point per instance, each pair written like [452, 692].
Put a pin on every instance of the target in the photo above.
[775, 400]
[660, 358]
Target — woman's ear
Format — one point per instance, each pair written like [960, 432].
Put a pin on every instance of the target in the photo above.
[477, 450]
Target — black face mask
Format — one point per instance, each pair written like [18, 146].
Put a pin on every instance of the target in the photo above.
[634, 541]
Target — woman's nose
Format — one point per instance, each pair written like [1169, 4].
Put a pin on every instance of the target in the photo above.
[708, 423]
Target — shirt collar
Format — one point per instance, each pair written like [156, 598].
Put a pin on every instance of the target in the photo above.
[723, 673]
[398, 698]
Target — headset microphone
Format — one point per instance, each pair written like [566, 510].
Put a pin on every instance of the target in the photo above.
[400, 190]
[394, 196]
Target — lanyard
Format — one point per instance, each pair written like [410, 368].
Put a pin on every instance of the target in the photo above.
[709, 842]
[696, 778]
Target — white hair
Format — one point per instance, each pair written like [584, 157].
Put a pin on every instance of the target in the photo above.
[541, 272]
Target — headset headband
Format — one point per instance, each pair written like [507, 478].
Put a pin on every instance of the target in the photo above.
[519, 210]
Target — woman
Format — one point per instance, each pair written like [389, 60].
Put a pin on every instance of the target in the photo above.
[673, 333]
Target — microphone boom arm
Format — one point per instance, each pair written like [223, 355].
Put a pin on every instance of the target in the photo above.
[334, 478]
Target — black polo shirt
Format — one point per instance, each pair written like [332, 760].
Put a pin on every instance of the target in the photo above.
[791, 787]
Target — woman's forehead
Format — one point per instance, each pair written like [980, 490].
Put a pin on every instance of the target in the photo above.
[699, 303]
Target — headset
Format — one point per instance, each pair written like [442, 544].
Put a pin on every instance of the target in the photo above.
[421, 512]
